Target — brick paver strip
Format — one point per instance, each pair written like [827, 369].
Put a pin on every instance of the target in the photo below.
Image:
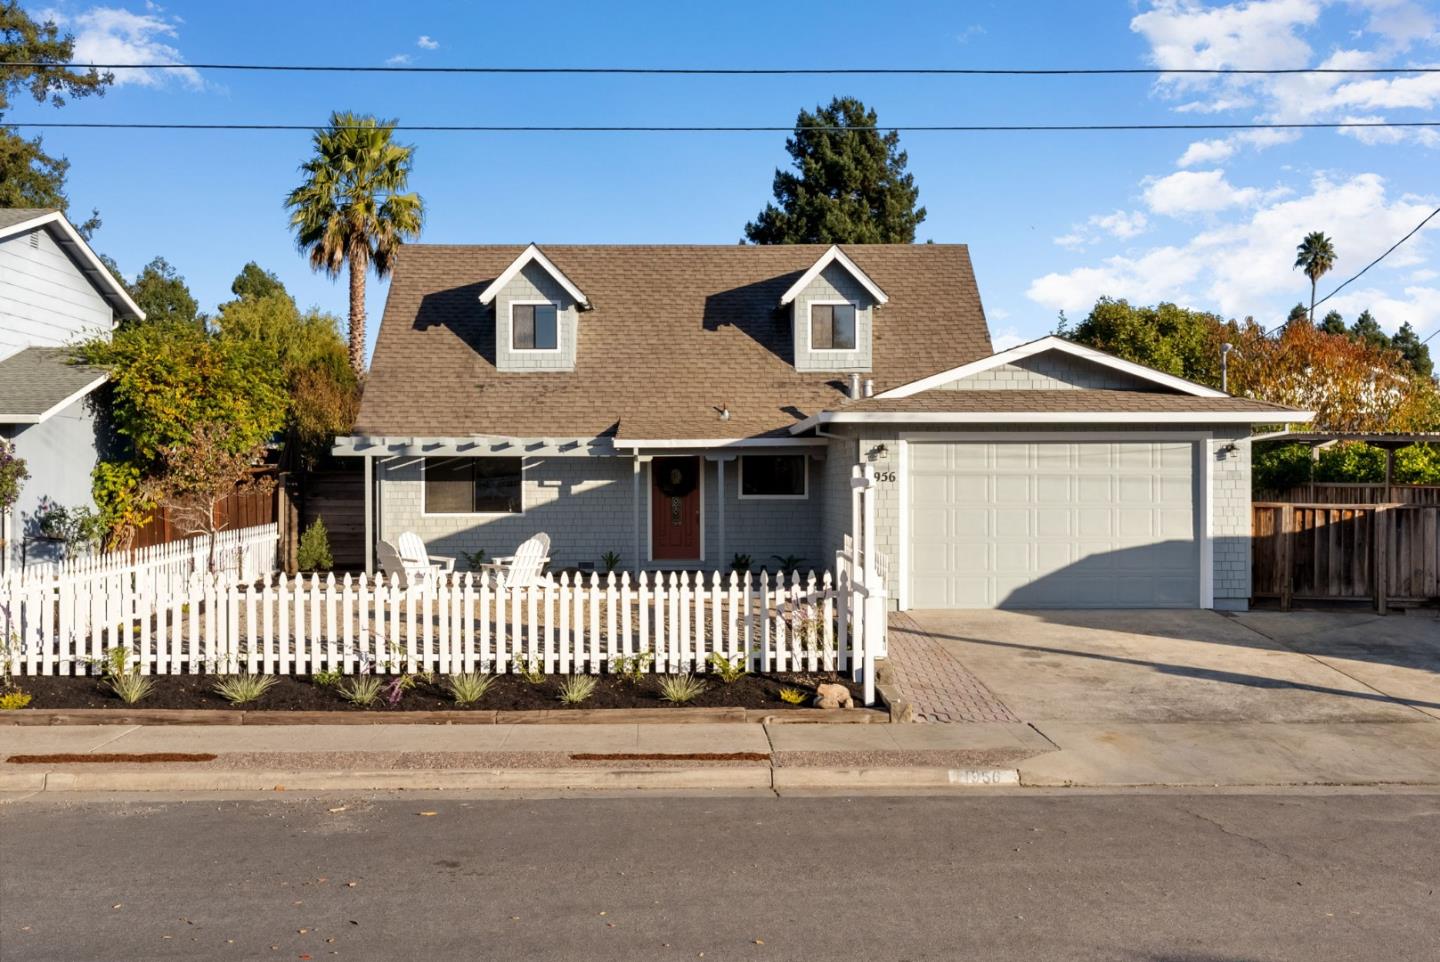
[938, 687]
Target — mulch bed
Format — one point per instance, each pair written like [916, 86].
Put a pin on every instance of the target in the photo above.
[105, 758]
[509, 693]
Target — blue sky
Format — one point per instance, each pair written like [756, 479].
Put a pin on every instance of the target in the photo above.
[1053, 219]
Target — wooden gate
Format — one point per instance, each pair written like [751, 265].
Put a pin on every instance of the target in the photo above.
[1385, 553]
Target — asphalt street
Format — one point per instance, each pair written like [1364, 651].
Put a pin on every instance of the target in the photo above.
[1198, 878]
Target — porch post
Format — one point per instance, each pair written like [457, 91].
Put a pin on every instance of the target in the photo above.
[369, 515]
[636, 502]
[719, 510]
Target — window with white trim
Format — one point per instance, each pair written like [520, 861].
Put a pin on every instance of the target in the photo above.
[774, 476]
[832, 327]
[474, 486]
[534, 326]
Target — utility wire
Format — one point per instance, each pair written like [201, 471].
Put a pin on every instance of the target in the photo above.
[750, 128]
[750, 71]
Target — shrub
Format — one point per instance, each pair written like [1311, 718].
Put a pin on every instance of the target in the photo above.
[130, 687]
[729, 669]
[314, 551]
[577, 688]
[681, 689]
[610, 561]
[789, 563]
[1418, 464]
[363, 690]
[740, 564]
[1353, 463]
[326, 679]
[469, 687]
[633, 668]
[474, 560]
[241, 689]
[14, 700]
[12, 475]
[793, 696]
[1281, 468]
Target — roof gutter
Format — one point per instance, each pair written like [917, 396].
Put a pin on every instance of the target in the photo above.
[1060, 417]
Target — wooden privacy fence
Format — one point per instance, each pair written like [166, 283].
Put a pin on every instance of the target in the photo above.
[243, 509]
[1347, 493]
[1384, 553]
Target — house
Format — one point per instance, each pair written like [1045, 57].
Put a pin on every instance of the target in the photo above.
[680, 406]
[54, 292]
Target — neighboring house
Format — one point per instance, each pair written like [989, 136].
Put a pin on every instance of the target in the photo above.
[54, 292]
[681, 405]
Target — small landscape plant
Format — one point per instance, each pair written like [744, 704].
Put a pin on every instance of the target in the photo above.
[529, 670]
[14, 700]
[577, 688]
[474, 560]
[313, 554]
[729, 669]
[741, 563]
[326, 679]
[121, 678]
[793, 696]
[633, 668]
[680, 689]
[789, 563]
[243, 689]
[609, 561]
[363, 690]
[469, 687]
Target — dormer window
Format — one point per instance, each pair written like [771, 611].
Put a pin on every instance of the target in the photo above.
[534, 326]
[832, 326]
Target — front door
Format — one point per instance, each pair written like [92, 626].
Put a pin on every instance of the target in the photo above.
[675, 509]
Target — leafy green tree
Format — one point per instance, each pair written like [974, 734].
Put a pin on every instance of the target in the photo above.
[1350, 463]
[1414, 350]
[1279, 468]
[169, 377]
[1332, 323]
[1315, 255]
[162, 294]
[30, 177]
[849, 184]
[352, 208]
[1418, 464]
[254, 282]
[1172, 339]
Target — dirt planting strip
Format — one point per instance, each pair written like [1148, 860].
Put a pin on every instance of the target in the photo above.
[111, 758]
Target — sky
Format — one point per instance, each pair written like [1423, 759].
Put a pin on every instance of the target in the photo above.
[1054, 220]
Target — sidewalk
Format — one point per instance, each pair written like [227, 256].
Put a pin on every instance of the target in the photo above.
[772, 757]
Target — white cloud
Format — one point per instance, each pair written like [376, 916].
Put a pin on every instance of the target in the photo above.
[1416, 304]
[1423, 275]
[1120, 224]
[114, 35]
[1245, 267]
[1006, 338]
[1206, 152]
[1262, 33]
[969, 33]
[399, 60]
[1196, 192]
[427, 43]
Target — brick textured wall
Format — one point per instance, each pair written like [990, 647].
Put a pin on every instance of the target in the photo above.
[1050, 371]
[534, 283]
[834, 283]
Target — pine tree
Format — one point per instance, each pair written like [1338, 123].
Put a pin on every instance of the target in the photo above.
[849, 184]
[1408, 343]
[1332, 323]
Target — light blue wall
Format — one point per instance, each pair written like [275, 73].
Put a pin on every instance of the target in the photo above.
[45, 300]
[60, 455]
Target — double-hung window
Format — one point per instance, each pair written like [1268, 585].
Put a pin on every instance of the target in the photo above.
[773, 476]
[474, 486]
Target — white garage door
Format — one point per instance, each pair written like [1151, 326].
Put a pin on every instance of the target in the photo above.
[1053, 525]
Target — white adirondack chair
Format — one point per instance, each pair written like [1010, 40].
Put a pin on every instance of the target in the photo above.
[413, 554]
[418, 568]
[523, 568]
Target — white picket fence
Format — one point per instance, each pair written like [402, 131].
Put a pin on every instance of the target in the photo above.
[241, 554]
[245, 619]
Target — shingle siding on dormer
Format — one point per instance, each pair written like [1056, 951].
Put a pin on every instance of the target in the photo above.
[1051, 371]
[533, 283]
[834, 283]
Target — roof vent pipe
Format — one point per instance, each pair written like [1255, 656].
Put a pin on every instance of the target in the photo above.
[854, 387]
[869, 387]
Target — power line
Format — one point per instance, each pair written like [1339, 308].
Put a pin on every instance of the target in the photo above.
[750, 71]
[750, 128]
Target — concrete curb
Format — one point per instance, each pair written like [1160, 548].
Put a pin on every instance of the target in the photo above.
[757, 777]
[583, 716]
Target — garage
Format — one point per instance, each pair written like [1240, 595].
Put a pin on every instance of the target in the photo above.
[1053, 523]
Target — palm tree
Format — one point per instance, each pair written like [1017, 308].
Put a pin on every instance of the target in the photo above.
[351, 208]
[1315, 255]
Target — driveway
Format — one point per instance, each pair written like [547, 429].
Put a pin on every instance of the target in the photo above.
[1179, 666]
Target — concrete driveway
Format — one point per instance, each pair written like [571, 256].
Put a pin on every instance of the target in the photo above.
[1197, 666]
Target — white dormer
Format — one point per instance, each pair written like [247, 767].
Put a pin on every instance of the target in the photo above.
[832, 314]
[537, 310]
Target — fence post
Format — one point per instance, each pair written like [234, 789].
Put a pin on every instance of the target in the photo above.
[1285, 550]
[1381, 520]
[874, 617]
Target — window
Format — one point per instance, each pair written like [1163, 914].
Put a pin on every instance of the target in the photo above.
[473, 486]
[832, 327]
[534, 327]
[773, 476]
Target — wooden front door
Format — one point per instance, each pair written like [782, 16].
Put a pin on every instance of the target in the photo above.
[675, 509]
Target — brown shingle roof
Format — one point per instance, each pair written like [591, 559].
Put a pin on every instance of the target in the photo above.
[35, 379]
[1059, 402]
[676, 333]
